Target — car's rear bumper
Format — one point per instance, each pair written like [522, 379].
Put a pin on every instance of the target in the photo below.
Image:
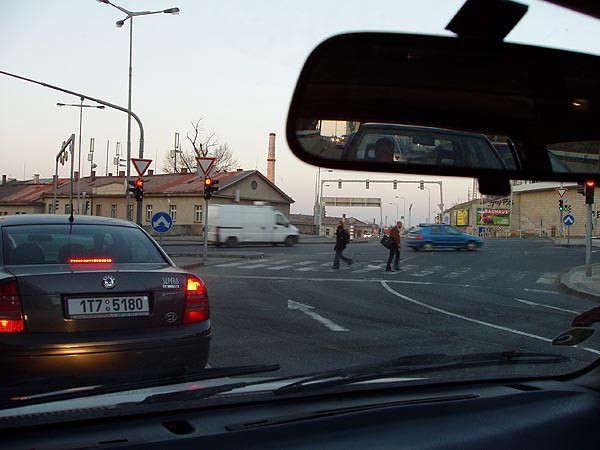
[161, 351]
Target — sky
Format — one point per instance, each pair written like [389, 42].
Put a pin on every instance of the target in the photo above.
[233, 64]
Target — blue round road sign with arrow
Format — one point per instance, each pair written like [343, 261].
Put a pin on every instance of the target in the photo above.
[161, 222]
[569, 220]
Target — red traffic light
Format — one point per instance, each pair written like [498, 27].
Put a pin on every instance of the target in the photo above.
[139, 183]
[208, 182]
[590, 183]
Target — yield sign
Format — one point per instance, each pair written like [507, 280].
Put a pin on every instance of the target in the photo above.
[205, 164]
[561, 191]
[141, 165]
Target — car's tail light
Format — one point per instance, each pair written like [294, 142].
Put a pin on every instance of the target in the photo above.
[196, 301]
[11, 316]
[418, 237]
[90, 260]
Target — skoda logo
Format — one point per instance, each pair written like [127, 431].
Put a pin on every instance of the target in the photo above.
[170, 317]
[108, 281]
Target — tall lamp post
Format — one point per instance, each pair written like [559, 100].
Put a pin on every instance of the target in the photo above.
[317, 208]
[396, 210]
[80, 106]
[404, 203]
[429, 207]
[120, 23]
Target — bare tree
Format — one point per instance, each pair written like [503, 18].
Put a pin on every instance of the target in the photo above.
[203, 145]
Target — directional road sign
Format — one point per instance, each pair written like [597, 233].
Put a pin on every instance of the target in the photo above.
[561, 191]
[141, 165]
[569, 220]
[161, 222]
[205, 165]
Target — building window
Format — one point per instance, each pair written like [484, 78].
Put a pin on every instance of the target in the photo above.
[98, 210]
[50, 209]
[113, 210]
[254, 185]
[198, 213]
[148, 213]
[173, 212]
[326, 231]
[67, 208]
[130, 217]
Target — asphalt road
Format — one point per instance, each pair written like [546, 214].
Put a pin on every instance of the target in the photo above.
[292, 308]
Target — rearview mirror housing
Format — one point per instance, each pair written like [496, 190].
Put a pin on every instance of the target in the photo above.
[448, 106]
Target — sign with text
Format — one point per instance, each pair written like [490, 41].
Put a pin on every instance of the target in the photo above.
[487, 216]
[462, 217]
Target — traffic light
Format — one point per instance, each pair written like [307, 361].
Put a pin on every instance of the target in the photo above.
[580, 188]
[590, 185]
[324, 212]
[210, 187]
[561, 206]
[367, 184]
[422, 185]
[339, 184]
[395, 184]
[139, 189]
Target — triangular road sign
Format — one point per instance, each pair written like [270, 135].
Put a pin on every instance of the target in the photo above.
[141, 165]
[205, 164]
[561, 191]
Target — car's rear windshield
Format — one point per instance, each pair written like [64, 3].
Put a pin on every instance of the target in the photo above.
[63, 244]
[417, 230]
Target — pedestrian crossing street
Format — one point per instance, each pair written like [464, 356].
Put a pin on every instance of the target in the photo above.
[418, 271]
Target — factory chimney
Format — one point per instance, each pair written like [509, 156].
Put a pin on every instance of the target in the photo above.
[271, 159]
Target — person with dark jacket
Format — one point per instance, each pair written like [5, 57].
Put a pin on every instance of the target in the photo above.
[395, 248]
[341, 239]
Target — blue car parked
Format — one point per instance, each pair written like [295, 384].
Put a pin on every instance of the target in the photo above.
[429, 236]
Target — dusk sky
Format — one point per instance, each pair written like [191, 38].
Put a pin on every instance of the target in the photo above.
[232, 63]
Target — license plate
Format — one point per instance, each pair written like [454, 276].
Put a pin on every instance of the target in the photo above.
[98, 307]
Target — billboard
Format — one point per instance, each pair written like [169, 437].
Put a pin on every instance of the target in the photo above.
[462, 217]
[446, 218]
[488, 216]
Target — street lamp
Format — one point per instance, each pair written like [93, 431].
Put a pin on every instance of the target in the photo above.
[396, 210]
[404, 203]
[317, 208]
[80, 106]
[429, 208]
[120, 23]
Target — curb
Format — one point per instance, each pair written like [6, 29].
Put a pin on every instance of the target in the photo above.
[566, 286]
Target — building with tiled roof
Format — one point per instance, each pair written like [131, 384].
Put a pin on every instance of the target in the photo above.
[180, 195]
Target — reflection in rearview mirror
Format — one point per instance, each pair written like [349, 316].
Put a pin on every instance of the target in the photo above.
[402, 144]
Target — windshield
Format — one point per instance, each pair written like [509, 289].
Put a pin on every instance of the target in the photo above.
[278, 262]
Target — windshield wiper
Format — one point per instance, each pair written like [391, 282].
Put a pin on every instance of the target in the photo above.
[92, 386]
[415, 364]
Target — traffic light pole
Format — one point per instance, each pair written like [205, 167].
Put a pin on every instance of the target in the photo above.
[588, 242]
[139, 213]
[205, 231]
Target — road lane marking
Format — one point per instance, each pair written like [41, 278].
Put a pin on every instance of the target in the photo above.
[346, 280]
[368, 268]
[279, 267]
[252, 266]
[427, 272]
[305, 263]
[530, 303]
[457, 272]
[476, 321]
[541, 291]
[306, 309]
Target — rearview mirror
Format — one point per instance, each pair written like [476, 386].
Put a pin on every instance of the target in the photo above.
[448, 106]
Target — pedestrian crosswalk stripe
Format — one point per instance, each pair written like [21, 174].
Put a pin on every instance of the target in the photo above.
[252, 266]
[368, 268]
[231, 264]
[547, 278]
[278, 267]
[305, 263]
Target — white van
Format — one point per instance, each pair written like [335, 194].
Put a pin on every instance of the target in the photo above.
[239, 224]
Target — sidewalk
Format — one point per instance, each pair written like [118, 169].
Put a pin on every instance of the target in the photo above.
[575, 282]
[198, 240]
